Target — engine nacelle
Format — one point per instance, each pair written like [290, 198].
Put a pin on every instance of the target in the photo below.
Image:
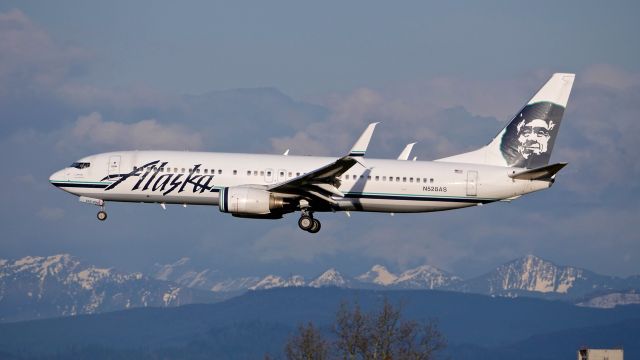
[240, 200]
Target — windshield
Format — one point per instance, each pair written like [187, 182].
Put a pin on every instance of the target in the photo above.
[80, 165]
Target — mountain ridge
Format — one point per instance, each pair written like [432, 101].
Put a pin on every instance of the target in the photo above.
[528, 275]
[61, 285]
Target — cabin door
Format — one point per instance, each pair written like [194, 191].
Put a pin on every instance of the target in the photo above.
[114, 165]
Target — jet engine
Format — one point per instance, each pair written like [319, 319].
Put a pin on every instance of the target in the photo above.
[249, 202]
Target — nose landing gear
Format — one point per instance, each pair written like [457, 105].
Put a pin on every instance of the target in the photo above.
[102, 215]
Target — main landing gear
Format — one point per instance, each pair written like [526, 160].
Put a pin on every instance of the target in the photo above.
[308, 223]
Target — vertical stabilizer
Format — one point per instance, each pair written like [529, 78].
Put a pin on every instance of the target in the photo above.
[527, 141]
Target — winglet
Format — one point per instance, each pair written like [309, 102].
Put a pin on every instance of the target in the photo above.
[404, 155]
[360, 147]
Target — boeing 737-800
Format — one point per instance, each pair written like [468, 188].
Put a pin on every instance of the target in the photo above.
[261, 186]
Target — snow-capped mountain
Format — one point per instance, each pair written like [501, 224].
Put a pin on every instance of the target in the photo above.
[183, 273]
[235, 285]
[378, 275]
[58, 285]
[39, 287]
[426, 277]
[331, 277]
[421, 277]
[273, 281]
[529, 273]
[533, 276]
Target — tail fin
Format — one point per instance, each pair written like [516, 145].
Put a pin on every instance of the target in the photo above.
[527, 141]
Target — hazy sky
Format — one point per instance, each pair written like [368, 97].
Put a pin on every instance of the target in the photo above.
[81, 77]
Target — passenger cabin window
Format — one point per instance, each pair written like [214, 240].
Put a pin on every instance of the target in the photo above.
[235, 172]
[431, 180]
[182, 170]
[377, 178]
[248, 172]
[219, 171]
[206, 171]
[80, 165]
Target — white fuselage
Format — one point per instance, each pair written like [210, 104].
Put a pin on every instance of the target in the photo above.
[374, 185]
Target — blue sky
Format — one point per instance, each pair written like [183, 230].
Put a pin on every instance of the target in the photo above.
[79, 78]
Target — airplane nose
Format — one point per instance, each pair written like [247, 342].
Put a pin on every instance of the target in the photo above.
[56, 176]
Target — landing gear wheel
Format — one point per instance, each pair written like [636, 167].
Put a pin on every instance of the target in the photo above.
[316, 226]
[305, 222]
[102, 215]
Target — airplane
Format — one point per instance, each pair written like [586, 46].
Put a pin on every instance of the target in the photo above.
[266, 186]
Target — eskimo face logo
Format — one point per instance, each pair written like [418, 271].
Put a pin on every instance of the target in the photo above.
[528, 139]
[533, 137]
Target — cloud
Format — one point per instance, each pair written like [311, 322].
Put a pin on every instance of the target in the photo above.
[605, 75]
[84, 96]
[31, 61]
[422, 113]
[599, 136]
[290, 243]
[51, 214]
[143, 135]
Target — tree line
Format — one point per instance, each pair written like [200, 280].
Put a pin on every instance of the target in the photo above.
[380, 334]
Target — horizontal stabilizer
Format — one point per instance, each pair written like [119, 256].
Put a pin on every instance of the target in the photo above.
[542, 173]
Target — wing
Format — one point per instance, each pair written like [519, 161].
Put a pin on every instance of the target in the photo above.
[319, 184]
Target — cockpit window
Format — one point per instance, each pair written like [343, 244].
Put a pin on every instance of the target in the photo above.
[80, 165]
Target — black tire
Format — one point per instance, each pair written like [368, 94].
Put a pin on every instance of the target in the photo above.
[102, 216]
[316, 226]
[305, 222]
